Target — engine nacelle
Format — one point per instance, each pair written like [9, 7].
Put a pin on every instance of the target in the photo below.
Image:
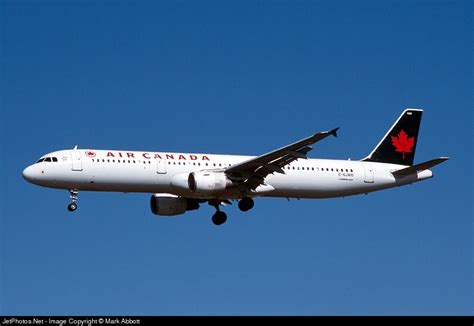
[170, 205]
[208, 182]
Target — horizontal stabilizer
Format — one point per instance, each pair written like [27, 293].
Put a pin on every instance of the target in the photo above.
[419, 167]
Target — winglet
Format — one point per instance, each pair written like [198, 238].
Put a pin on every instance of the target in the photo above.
[334, 131]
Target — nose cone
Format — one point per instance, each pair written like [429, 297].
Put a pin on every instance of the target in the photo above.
[29, 174]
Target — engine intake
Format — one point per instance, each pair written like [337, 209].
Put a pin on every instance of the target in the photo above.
[208, 182]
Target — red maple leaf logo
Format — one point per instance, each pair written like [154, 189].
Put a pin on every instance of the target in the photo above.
[403, 143]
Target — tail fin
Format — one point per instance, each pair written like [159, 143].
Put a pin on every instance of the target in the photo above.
[399, 143]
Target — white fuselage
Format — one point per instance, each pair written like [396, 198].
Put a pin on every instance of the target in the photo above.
[153, 172]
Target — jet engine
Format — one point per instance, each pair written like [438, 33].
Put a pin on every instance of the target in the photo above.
[170, 205]
[208, 182]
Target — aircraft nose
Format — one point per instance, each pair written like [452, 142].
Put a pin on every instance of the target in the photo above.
[28, 174]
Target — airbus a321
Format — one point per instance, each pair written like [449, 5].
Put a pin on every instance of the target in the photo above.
[181, 182]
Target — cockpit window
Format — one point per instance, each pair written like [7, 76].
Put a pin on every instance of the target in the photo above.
[48, 159]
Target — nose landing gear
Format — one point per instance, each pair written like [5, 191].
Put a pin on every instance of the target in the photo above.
[74, 197]
[72, 207]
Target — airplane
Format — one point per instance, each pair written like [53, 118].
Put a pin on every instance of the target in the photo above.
[181, 182]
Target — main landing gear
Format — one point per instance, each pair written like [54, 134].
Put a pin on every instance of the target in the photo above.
[219, 217]
[246, 204]
[74, 196]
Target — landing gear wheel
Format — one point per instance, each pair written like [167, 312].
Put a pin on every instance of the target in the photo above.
[246, 204]
[72, 207]
[219, 218]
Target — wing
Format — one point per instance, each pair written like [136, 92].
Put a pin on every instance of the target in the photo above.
[253, 172]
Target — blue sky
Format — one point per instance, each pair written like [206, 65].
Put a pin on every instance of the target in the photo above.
[239, 77]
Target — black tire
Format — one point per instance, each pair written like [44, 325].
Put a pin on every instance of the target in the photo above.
[246, 204]
[219, 218]
[72, 207]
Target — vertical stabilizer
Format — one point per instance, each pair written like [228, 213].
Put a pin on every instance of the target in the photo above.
[399, 143]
